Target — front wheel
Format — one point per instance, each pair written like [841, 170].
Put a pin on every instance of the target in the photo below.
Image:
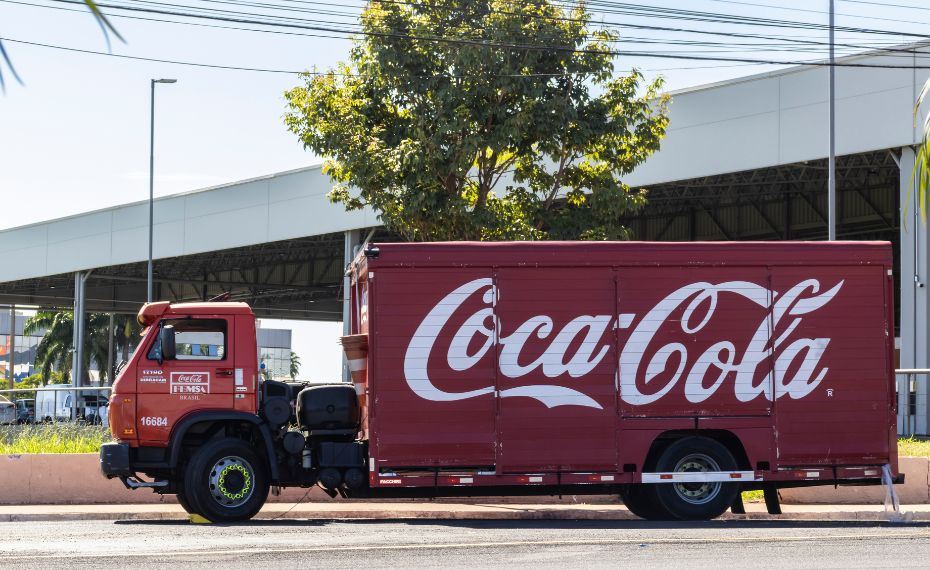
[696, 501]
[225, 481]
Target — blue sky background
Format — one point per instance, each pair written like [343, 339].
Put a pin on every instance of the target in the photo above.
[74, 137]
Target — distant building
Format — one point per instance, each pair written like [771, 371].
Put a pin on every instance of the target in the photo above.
[25, 347]
[275, 351]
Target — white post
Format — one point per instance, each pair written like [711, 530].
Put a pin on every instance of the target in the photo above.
[351, 243]
[915, 309]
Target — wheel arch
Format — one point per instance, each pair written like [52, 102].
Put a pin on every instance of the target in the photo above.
[725, 437]
[211, 423]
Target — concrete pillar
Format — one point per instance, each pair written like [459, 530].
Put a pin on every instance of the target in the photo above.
[77, 320]
[915, 305]
[352, 240]
[12, 346]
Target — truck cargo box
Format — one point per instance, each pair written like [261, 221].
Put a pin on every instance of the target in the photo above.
[575, 358]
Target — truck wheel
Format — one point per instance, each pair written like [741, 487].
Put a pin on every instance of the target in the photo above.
[696, 501]
[181, 496]
[225, 481]
[641, 500]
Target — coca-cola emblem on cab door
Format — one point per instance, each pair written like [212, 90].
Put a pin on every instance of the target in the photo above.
[638, 352]
[190, 382]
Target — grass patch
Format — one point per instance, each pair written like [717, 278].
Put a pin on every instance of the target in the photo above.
[913, 447]
[52, 438]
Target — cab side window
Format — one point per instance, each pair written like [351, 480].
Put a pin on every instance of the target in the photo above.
[194, 339]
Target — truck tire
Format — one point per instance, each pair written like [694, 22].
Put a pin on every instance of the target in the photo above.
[185, 503]
[225, 481]
[696, 501]
[641, 500]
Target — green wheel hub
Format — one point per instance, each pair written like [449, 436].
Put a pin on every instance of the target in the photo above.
[231, 481]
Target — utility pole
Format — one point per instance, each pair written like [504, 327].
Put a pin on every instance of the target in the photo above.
[831, 162]
[12, 346]
[148, 292]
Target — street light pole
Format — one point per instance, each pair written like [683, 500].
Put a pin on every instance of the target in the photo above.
[148, 296]
[831, 162]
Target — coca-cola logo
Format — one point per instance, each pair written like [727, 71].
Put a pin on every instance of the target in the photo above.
[190, 382]
[697, 302]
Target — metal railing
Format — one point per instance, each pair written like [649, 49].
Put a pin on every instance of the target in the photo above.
[58, 403]
[907, 384]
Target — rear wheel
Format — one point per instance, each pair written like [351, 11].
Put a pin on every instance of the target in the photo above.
[696, 501]
[642, 501]
[225, 481]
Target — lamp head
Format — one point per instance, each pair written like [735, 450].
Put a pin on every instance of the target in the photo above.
[164, 81]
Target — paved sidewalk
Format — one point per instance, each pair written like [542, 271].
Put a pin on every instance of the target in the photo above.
[337, 510]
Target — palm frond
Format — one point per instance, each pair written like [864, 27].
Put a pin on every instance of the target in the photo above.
[105, 26]
[921, 175]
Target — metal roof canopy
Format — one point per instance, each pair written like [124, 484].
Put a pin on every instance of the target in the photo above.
[289, 279]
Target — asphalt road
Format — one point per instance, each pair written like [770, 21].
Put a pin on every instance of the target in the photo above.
[489, 544]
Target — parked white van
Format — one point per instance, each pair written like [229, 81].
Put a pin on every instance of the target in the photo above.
[54, 404]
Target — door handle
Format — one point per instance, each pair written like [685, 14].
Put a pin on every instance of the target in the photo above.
[224, 372]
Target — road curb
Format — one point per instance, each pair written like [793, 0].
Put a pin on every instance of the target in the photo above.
[507, 514]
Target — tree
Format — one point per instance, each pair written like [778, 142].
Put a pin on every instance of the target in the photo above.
[491, 119]
[55, 349]
[295, 365]
[105, 26]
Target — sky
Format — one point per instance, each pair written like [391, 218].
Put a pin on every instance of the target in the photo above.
[74, 136]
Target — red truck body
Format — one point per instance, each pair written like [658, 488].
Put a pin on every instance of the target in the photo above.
[568, 360]
[674, 374]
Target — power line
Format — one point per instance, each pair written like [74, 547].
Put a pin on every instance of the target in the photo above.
[293, 23]
[156, 60]
[476, 43]
[883, 5]
[292, 72]
[288, 23]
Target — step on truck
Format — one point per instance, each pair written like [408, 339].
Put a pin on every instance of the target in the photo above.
[674, 375]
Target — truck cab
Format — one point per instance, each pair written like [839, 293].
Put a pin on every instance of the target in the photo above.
[191, 412]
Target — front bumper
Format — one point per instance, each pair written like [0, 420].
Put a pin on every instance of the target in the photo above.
[114, 460]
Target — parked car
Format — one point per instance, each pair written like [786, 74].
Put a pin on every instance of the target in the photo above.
[25, 411]
[7, 411]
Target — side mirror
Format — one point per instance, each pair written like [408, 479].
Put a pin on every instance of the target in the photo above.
[166, 340]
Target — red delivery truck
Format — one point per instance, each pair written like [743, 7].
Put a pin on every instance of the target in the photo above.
[671, 374]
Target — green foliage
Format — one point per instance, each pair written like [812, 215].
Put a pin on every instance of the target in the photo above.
[54, 351]
[53, 438]
[426, 131]
[105, 26]
[922, 163]
[295, 365]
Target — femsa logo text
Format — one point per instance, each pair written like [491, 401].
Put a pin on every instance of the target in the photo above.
[797, 368]
[190, 382]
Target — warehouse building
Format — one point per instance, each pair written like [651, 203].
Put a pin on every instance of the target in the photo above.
[744, 159]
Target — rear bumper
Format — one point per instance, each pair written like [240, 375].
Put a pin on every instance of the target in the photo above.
[114, 460]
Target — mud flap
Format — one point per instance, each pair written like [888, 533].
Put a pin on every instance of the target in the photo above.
[737, 507]
[770, 492]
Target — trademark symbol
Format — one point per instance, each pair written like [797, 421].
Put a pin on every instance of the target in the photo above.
[829, 392]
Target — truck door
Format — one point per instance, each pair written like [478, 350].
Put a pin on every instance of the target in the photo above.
[199, 377]
[556, 369]
[833, 378]
[432, 368]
